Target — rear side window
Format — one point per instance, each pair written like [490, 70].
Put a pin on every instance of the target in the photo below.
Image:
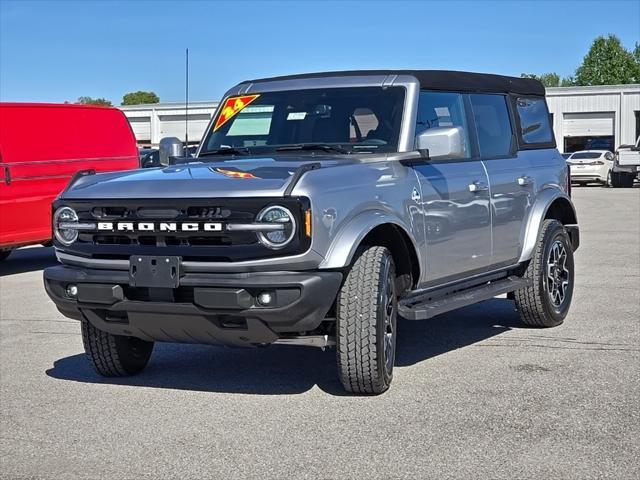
[534, 120]
[493, 125]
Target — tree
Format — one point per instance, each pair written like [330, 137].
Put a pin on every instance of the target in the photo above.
[548, 79]
[93, 101]
[608, 63]
[636, 53]
[139, 97]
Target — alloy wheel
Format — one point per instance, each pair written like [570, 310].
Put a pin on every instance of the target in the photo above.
[557, 273]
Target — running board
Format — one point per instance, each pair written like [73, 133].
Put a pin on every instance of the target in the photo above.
[417, 309]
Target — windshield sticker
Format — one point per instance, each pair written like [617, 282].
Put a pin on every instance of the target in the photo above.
[232, 107]
[234, 173]
[296, 115]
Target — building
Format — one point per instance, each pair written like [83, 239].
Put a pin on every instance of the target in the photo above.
[595, 117]
[583, 117]
[151, 123]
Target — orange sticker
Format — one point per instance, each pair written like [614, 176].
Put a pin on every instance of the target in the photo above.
[235, 173]
[232, 107]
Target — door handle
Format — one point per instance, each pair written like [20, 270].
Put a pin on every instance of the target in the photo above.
[524, 180]
[476, 187]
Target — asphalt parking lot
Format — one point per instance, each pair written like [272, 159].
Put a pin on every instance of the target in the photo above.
[475, 394]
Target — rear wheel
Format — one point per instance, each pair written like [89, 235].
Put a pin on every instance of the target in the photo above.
[366, 323]
[545, 303]
[608, 182]
[114, 355]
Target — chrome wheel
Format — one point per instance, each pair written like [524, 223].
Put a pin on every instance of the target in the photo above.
[557, 273]
[389, 303]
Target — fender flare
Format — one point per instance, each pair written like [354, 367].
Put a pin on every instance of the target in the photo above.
[346, 242]
[544, 200]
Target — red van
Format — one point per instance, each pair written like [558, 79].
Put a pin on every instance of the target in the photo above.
[41, 147]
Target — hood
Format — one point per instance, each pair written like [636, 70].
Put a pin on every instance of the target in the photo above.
[254, 177]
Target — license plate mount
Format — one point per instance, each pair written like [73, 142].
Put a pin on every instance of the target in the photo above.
[154, 271]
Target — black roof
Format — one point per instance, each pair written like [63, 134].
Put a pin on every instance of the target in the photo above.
[442, 80]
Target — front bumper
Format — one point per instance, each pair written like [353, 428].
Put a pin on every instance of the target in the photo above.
[206, 308]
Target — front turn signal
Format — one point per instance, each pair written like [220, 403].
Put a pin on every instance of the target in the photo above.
[307, 223]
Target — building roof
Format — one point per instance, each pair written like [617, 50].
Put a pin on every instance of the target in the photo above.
[441, 80]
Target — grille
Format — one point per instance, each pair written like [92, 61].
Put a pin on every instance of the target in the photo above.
[191, 245]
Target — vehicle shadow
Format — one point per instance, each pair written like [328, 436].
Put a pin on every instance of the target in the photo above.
[28, 260]
[293, 370]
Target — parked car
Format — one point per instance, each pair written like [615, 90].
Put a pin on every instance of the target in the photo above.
[566, 155]
[42, 146]
[589, 166]
[626, 166]
[364, 196]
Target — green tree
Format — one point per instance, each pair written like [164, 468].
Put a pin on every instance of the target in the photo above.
[608, 63]
[94, 101]
[636, 53]
[551, 79]
[139, 97]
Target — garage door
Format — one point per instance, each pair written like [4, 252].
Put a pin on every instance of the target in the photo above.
[597, 124]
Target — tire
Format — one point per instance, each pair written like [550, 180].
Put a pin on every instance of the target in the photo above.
[4, 254]
[540, 304]
[114, 355]
[608, 182]
[367, 311]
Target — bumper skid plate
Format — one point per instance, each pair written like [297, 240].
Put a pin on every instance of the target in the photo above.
[202, 308]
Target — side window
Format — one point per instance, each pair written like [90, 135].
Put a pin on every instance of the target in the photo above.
[493, 125]
[534, 120]
[442, 109]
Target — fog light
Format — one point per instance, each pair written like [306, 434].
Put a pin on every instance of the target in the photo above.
[72, 290]
[265, 299]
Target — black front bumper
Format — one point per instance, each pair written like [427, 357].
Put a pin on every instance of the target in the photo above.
[205, 308]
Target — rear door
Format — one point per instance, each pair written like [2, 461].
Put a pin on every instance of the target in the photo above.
[509, 174]
[455, 196]
[42, 147]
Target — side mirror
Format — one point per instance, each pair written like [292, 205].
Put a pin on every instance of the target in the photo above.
[169, 147]
[442, 143]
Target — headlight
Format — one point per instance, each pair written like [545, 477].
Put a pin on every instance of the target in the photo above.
[279, 216]
[65, 236]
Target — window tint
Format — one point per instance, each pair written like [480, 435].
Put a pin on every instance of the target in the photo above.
[585, 155]
[493, 124]
[534, 120]
[442, 109]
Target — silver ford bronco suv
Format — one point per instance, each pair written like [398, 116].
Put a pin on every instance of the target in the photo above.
[318, 209]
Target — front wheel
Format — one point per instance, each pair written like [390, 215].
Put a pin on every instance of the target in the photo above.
[545, 303]
[366, 323]
[114, 355]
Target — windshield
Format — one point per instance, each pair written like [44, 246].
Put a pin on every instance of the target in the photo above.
[354, 119]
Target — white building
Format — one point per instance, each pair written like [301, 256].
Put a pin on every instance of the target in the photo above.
[151, 123]
[594, 116]
[583, 117]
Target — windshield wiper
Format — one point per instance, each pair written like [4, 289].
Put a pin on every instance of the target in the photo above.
[226, 151]
[325, 147]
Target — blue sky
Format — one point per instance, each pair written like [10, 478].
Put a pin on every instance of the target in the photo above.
[60, 50]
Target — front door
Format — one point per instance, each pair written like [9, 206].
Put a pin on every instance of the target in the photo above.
[455, 197]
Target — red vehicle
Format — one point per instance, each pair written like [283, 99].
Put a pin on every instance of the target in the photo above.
[41, 147]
